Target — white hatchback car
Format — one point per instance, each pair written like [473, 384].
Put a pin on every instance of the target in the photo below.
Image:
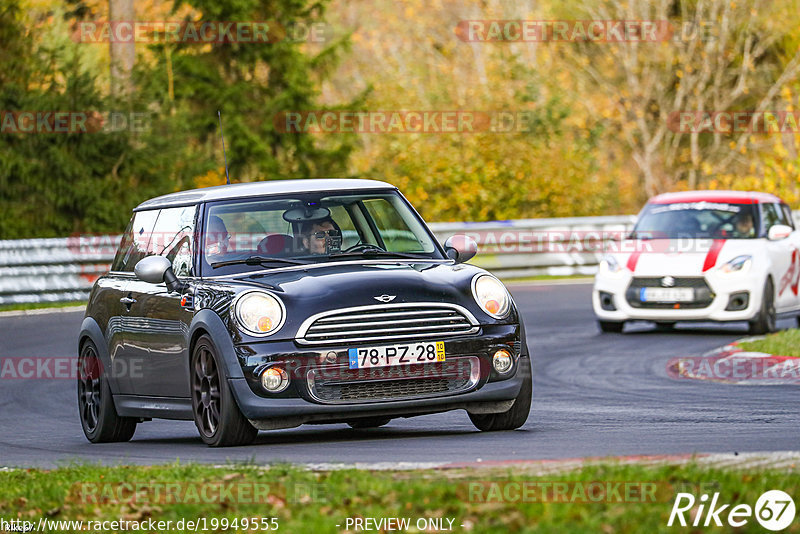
[703, 256]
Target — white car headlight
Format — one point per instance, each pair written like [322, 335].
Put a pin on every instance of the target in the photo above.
[259, 313]
[739, 264]
[491, 295]
[610, 265]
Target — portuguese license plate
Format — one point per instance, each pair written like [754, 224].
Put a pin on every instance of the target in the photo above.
[388, 355]
[666, 294]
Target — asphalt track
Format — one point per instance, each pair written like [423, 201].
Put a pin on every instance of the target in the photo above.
[595, 395]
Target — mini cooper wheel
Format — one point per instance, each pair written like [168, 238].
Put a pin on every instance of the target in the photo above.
[611, 326]
[99, 418]
[371, 422]
[216, 414]
[765, 321]
[512, 418]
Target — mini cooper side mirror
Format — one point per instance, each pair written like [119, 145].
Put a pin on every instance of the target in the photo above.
[460, 248]
[778, 232]
[157, 269]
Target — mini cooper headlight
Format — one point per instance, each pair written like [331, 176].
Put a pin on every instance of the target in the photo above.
[259, 313]
[491, 295]
[739, 264]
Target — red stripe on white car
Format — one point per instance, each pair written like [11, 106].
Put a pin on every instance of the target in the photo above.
[633, 259]
[713, 254]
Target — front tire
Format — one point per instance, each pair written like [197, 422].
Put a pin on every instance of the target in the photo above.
[216, 414]
[765, 321]
[609, 327]
[99, 418]
[511, 419]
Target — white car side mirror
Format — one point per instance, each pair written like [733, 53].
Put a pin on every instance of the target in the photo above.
[778, 232]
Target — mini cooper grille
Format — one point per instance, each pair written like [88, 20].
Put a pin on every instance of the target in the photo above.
[395, 383]
[388, 322]
[703, 296]
[389, 389]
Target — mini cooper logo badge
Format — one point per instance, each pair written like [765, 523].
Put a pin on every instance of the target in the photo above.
[385, 298]
[667, 281]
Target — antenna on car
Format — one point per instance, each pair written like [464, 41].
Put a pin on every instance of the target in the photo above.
[227, 178]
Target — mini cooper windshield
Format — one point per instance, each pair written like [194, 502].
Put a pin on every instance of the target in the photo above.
[274, 232]
[697, 220]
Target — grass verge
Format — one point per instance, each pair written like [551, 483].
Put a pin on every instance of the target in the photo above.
[40, 305]
[321, 502]
[783, 343]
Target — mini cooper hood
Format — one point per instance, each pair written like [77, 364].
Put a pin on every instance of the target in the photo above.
[345, 285]
[687, 257]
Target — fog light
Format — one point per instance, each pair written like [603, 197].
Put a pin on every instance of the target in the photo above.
[274, 379]
[502, 361]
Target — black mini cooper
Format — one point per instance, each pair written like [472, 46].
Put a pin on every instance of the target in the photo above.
[269, 305]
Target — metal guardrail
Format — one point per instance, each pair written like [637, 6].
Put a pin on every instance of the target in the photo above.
[64, 269]
[530, 247]
[52, 270]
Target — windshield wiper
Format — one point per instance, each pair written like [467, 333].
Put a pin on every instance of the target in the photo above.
[645, 236]
[374, 251]
[257, 260]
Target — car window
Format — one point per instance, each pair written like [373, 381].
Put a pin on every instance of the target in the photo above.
[771, 215]
[788, 216]
[697, 220]
[135, 241]
[342, 218]
[393, 229]
[310, 228]
[173, 238]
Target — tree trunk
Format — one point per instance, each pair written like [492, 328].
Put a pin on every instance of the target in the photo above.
[123, 55]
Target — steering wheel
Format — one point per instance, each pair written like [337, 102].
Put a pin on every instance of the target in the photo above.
[361, 246]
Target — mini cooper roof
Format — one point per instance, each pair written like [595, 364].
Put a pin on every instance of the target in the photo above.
[256, 189]
[730, 197]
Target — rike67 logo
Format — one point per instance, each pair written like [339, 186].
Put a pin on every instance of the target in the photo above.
[774, 511]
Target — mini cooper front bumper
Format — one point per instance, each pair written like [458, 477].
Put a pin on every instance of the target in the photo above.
[323, 389]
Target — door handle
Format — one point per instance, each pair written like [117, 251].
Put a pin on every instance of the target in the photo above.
[127, 301]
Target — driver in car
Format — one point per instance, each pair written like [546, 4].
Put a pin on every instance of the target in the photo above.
[217, 237]
[320, 237]
[744, 225]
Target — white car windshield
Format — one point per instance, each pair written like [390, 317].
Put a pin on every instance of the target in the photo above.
[698, 220]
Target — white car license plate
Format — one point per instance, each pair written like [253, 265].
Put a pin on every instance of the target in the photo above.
[666, 294]
[386, 355]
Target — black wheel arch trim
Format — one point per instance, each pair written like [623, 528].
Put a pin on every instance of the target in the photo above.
[91, 330]
[207, 320]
